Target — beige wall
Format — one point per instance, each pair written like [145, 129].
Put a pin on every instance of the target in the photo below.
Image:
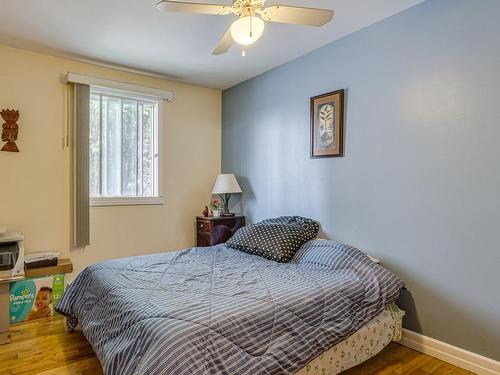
[35, 183]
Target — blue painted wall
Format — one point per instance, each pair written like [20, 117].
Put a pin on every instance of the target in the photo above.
[419, 185]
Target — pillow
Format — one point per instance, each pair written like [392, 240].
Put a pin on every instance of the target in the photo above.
[373, 259]
[351, 264]
[329, 254]
[276, 239]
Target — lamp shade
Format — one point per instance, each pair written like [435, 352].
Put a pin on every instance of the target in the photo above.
[226, 184]
[247, 30]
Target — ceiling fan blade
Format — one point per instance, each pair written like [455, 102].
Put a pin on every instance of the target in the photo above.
[297, 15]
[179, 6]
[224, 44]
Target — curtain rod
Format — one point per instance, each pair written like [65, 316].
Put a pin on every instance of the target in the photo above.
[168, 95]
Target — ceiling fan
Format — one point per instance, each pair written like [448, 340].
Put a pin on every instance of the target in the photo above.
[248, 28]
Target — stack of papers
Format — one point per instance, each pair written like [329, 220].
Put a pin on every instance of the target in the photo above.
[41, 260]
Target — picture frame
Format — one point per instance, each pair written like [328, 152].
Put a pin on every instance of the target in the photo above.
[327, 125]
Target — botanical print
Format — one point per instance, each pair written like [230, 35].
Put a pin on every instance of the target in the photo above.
[326, 116]
[327, 125]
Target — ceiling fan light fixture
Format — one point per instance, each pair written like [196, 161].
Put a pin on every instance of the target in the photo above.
[247, 30]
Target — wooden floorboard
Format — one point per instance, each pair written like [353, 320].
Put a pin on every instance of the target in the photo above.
[44, 347]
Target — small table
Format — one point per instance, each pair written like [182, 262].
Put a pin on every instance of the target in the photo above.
[211, 231]
[63, 266]
[4, 307]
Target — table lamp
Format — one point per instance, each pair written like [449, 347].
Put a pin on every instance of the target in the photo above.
[225, 185]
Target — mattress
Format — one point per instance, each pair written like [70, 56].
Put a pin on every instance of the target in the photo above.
[216, 310]
[362, 345]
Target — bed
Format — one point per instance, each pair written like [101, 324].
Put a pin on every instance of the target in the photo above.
[217, 310]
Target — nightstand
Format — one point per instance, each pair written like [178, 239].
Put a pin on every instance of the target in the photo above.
[215, 230]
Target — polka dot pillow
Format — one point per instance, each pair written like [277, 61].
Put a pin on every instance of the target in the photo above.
[276, 239]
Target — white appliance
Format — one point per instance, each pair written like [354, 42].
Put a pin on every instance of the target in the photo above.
[11, 255]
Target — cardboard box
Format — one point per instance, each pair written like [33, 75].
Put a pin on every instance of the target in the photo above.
[34, 298]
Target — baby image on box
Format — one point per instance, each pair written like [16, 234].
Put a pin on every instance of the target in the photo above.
[43, 304]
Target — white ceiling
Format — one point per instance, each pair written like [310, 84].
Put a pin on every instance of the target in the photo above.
[134, 34]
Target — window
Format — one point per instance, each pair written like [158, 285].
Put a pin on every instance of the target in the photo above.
[124, 148]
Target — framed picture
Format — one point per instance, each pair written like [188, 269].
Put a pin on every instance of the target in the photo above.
[327, 125]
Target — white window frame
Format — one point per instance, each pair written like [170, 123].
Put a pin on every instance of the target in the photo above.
[158, 152]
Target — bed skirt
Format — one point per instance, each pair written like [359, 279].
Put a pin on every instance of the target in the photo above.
[360, 346]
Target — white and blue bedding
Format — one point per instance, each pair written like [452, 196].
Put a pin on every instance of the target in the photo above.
[217, 310]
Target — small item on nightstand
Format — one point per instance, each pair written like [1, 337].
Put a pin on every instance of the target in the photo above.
[206, 212]
[215, 207]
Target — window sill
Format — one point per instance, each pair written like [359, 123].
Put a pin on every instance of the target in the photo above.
[125, 201]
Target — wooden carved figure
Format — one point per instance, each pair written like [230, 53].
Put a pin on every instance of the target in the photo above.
[10, 130]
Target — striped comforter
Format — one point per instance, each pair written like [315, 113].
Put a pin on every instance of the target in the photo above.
[220, 311]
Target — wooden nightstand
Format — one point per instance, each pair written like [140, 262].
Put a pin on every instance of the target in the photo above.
[215, 230]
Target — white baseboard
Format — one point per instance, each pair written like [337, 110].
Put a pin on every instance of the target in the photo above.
[451, 354]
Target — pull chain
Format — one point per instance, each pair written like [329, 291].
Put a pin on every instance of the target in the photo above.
[251, 30]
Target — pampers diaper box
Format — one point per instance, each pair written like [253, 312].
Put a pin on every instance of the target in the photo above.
[35, 298]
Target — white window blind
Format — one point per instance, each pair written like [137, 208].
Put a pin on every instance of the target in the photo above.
[124, 148]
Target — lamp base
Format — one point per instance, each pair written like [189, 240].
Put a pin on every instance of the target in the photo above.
[229, 214]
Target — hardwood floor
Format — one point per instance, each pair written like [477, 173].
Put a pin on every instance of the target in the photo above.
[44, 347]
